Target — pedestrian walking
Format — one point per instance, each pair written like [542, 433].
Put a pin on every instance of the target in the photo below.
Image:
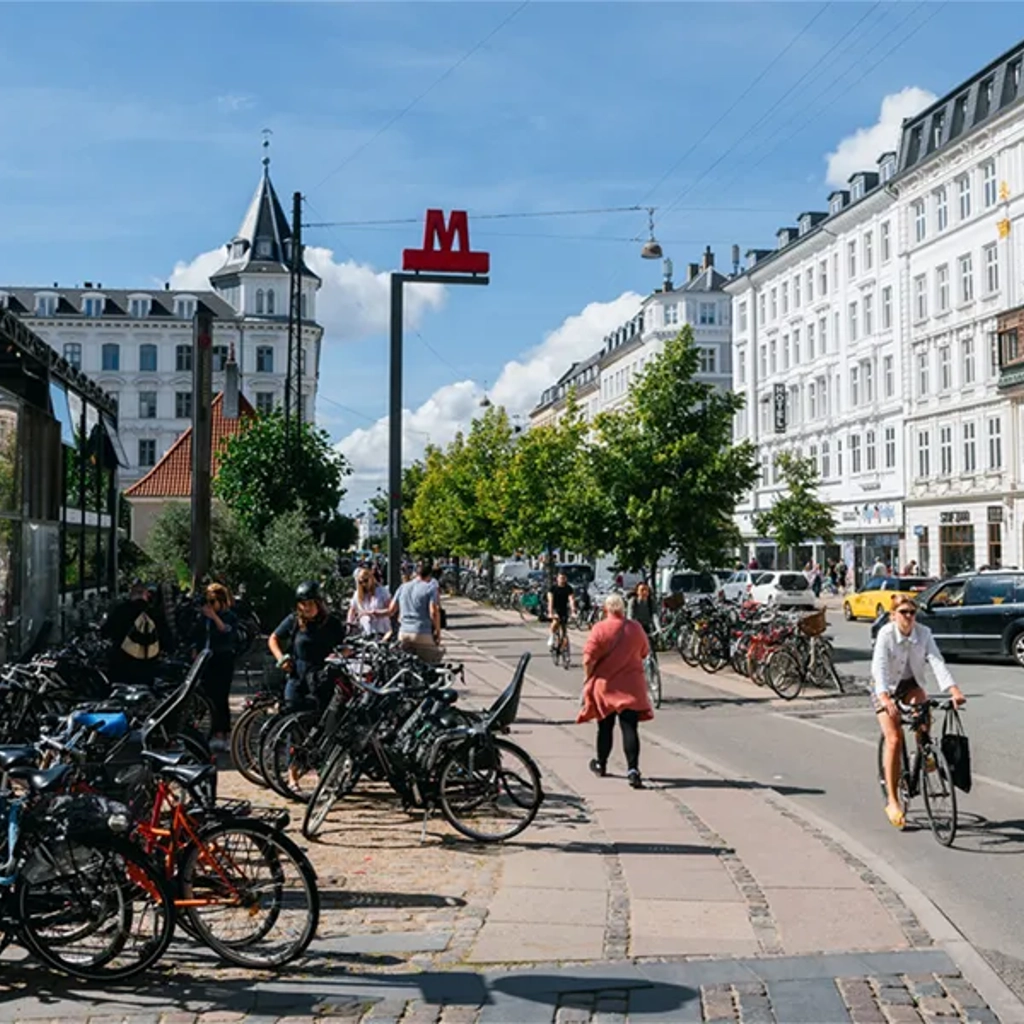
[369, 607]
[816, 581]
[615, 686]
[218, 635]
[879, 569]
[841, 572]
[910, 569]
[418, 606]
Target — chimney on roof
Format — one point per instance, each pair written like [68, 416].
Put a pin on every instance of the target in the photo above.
[666, 268]
[709, 258]
[88, 284]
[692, 270]
[230, 409]
[99, 284]
[167, 286]
[735, 260]
[55, 285]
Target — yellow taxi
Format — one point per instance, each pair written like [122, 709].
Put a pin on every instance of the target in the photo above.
[875, 596]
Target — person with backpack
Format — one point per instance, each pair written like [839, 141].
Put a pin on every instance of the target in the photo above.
[303, 640]
[138, 636]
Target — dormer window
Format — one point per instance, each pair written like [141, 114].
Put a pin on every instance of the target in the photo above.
[835, 203]
[857, 189]
[238, 250]
[46, 305]
[138, 308]
[264, 248]
[93, 305]
[938, 124]
[184, 309]
[887, 167]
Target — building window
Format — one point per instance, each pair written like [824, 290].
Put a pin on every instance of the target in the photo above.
[853, 321]
[854, 386]
[890, 447]
[810, 340]
[923, 384]
[775, 304]
[825, 467]
[741, 366]
[785, 297]
[923, 455]
[773, 360]
[869, 315]
[851, 259]
[93, 306]
[185, 309]
[945, 369]
[110, 356]
[796, 346]
[707, 360]
[765, 471]
[966, 265]
[867, 375]
[264, 402]
[671, 313]
[942, 288]
[810, 284]
[812, 402]
[259, 300]
[889, 376]
[967, 360]
[995, 444]
[920, 297]
[46, 305]
[988, 177]
[855, 453]
[763, 316]
[264, 359]
[822, 397]
[796, 292]
[147, 405]
[945, 451]
[869, 451]
[183, 359]
[147, 452]
[764, 361]
[823, 278]
[219, 355]
[785, 352]
[823, 335]
[869, 254]
[919, 224]
[885, 240]
[147, 358]
[839, 458]
[138, 308]
[742, 316]
[991, 261]
[941, 210]
[995, 545]
[970, 448]
[886, 307]
[964, 189]
[73, 354]
[270, 301]
[707, 313]
[183, 405]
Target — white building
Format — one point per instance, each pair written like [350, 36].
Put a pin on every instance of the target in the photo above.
[917, 445]
[602, 381]
[137, 343]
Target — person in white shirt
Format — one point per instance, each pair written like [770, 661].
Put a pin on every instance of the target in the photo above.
[903, 649]
[369, 607]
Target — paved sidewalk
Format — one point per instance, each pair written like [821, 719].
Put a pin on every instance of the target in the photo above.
[700, 898]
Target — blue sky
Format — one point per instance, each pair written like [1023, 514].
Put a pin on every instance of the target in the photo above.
[132, 144]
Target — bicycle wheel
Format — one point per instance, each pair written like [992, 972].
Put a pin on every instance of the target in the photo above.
[652, 672]
[939, 794]
[338, 778]
[286, 761]
[250, 893]
[688, 645]
[245, 741]
[198, 713]
[490, 791]
[713, 654]
[783, 674]
[95, 908]
[566, 652]
[823, 669]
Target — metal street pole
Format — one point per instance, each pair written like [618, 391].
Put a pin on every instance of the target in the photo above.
[202, 441]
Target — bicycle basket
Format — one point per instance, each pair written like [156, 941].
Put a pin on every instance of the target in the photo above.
[814, 624]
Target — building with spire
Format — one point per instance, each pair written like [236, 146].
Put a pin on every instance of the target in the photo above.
[137, 343]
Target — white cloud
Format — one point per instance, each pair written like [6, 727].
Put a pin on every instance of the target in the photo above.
[452, 407]
[861, 150]
[353, 302]
[232, 102]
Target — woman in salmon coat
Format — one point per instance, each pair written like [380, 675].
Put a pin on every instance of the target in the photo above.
[615, 687]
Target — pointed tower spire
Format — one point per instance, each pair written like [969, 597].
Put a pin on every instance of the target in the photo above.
[266, 133]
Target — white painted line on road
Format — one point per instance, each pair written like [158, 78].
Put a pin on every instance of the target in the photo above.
[1009, 787]
[1010, 696]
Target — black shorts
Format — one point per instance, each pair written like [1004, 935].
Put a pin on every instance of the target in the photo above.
[899, 694]
[561, 616]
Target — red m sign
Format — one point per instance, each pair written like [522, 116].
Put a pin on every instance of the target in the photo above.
[439, 252]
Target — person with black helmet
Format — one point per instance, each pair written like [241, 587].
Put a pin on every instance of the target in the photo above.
[301, 643]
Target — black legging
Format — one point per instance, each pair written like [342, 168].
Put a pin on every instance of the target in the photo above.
[217, 678]
[628, 721]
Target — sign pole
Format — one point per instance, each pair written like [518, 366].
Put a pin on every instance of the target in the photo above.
[202, 442]
[446, 258]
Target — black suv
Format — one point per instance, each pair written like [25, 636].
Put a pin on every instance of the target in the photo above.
[978, 614]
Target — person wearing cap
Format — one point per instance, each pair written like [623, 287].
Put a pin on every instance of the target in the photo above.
[903, 650]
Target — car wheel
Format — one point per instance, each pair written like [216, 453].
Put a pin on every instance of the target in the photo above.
[1017, 648]
[847, 611]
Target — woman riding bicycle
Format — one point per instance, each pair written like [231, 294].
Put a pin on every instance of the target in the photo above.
[641, 608]
[309, 633]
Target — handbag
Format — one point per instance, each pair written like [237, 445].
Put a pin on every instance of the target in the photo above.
[957, 750]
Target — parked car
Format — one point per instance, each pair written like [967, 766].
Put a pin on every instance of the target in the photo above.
[513, 571]
[579, 574]
[688, 585]
[740, 584]
[978, 614]
[875, 595]
[783, 590]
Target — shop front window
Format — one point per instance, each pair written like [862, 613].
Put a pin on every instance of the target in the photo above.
[995, 545]
[956, 549]
[923, 553]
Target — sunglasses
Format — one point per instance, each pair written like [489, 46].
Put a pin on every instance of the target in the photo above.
[907, 613]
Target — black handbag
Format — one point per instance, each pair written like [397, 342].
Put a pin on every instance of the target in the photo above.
[957, 750]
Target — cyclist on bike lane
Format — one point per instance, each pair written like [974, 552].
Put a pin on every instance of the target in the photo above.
[561, 603]
[902, 651]
[641, 607]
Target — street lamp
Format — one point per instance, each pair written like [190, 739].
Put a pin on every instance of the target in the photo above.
[652, 247]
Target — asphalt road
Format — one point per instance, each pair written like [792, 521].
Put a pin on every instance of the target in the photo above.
[821, 752]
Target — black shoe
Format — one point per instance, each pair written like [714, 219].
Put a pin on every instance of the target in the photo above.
[634, 779]
[597, 768]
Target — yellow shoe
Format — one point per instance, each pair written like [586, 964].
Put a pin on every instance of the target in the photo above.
[896, 817]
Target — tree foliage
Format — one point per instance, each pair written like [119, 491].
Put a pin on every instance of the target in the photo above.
[666, 465]
[797, 515]
[261, 474]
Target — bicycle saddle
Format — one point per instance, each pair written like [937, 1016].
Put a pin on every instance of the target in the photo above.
[18, 757]
[42, 781]
[188, 774]
[159, 760]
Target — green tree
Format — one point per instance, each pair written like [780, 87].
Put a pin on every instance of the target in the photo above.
[797, 514]
[666, 466]
[260, 475]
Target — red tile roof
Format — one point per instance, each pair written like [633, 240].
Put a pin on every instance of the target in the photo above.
[171, 477]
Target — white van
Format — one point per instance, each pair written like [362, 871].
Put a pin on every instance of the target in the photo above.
[509, 571]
